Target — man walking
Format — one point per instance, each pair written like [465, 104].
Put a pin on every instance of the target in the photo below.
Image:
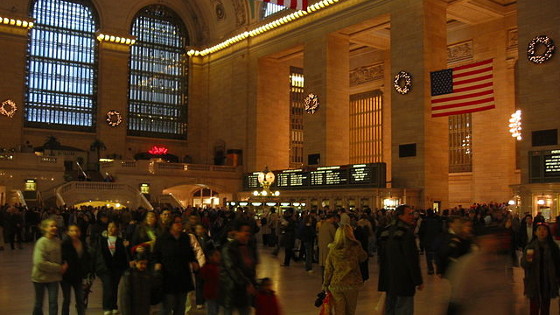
[399, 270]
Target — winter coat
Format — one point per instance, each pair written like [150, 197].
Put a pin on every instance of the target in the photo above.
[342, 267]
[546, 260]
[135, 292]
[47, 261]
[452, 247]
[78, 267]
[266, 303]
[399, 265]
[105, 262]
[236, 275]
[210, 273]
[429, 230]
[325, 237]
[480, 285]
[175, 255]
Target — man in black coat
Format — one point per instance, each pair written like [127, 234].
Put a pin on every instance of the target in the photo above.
[238, 272]
[430, 229]
[175, 257]
[399, 263]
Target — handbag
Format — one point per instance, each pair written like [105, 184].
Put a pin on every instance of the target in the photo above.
[320, 297]
[326, 307]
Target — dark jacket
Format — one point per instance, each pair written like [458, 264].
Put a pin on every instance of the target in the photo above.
[546, 261]
[105, 262]
[236, 275]
[136, 290]
[175, 255]
[266, 303]
[399, 265]
[452, 247]
[430, 229]
[78, 267]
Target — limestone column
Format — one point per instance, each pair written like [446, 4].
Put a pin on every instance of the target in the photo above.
[326, 68]
[13, 41]
[537, 86]
[273, 115]
[113, 95]
[418, 46]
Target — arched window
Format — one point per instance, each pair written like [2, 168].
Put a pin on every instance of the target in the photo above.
[62, 66]
[158, 75]
[269, 9]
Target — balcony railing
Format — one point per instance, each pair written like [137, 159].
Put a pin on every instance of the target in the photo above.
[145, 167]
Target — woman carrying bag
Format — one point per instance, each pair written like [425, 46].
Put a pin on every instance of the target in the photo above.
[343, 278]
[541, 263]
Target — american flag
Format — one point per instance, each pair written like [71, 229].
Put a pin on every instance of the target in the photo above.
[465, 89]
[294, 4]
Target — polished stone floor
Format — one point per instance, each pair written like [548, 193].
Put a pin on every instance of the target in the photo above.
[295, 287]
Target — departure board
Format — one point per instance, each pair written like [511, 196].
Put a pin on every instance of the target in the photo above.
[329, 176]
[340, 176]
[291, 178]
[552, 163]
[361, 174]
[251, 181]
[544, 166]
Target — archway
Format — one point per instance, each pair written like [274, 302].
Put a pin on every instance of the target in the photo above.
[198, 195]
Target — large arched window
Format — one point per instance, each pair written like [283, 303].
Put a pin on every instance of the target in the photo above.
[158, 75]
[62, 66]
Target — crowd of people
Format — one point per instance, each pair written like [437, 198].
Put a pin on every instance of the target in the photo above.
[206, 258]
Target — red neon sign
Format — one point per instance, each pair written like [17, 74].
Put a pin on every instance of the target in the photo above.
[155, 150]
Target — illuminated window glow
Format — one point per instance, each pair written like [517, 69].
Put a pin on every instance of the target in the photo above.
[61, 66]
[158, 75]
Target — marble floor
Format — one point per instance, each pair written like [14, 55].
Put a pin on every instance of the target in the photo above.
[295, 287]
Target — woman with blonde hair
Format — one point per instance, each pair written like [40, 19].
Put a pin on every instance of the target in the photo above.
[343, 278]
[47, 267]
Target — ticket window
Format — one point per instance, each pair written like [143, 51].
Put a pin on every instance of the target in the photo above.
[544, 205]
[364, 202]
[351, 204]
[390, 203]
[338, 203]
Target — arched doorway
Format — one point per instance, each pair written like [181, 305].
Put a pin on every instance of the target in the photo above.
[205, 197]
[198, 195]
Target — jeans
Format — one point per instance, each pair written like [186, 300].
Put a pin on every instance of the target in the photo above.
[308, 255]
[246, 310]
[78, 295]
[110, 289]
[399, 305]
[173, 304]
[212, 307]
[52, 288]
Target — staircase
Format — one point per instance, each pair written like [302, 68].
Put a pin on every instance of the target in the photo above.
[73, 193]
[169, 201]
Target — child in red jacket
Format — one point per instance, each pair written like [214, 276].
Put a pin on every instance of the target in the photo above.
[210, 274]
[266, 302]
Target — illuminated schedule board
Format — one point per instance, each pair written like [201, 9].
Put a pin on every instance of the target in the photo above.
[341, 176]
[544, 166]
